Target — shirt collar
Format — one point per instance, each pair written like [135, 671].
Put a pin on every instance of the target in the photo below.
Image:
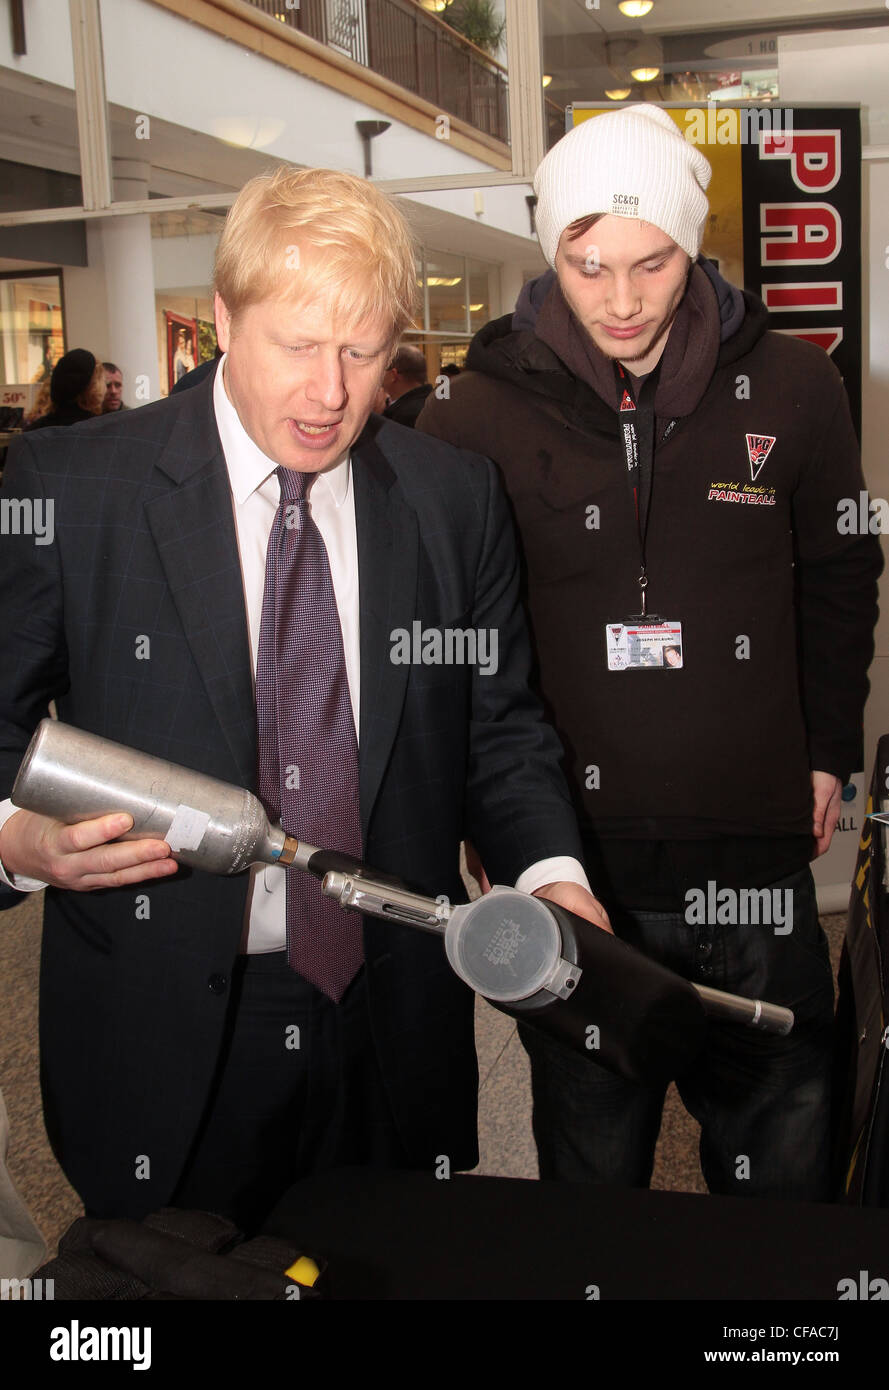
[248, 466]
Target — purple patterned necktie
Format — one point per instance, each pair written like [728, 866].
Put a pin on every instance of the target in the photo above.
[308, 753]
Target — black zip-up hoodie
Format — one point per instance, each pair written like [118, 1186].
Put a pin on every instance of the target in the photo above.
[777, 605]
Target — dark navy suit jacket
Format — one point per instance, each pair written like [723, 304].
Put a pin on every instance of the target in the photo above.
[132, 1009]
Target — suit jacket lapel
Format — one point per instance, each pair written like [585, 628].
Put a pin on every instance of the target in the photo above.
[388, 545]
[194, 530]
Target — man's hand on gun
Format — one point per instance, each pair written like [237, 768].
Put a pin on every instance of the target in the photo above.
[81, 857]
[569, 895]
[577, 900]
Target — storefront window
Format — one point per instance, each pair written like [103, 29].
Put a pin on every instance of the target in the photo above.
[479, 295]
[32, 335]
[597, 56]
[457, 301]
[453, 355]
[456, 294]
[446, 283]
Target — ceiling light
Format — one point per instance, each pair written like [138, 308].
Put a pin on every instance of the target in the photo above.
[436, 282]
[618, 93]
[247, 132]
[635, 9]
[547, 78]
[645, 74]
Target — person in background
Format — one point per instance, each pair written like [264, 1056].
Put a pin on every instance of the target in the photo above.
[407, 385]
[630, 381]
[76, 388]
[113, 389]
[42, 404]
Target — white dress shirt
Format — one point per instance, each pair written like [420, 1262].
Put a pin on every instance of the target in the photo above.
[255, 498]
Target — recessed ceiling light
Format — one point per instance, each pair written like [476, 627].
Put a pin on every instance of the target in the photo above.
[645, 74]
[635, 9]
[618, 94]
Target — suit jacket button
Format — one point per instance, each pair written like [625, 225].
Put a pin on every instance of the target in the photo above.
[217, 984]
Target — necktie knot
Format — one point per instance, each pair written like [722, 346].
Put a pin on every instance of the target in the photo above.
[294, 485]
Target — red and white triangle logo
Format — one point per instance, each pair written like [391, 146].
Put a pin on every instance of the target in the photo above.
[627, 403]
[759, 446]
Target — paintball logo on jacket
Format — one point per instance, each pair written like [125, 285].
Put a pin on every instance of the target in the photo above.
[744, 493]
[759, 446]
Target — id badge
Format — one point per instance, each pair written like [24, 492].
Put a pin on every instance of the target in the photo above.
[644, 644]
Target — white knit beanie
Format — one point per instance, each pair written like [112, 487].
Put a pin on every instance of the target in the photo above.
[629, 163]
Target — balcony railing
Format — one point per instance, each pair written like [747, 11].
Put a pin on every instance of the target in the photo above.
[401, 41]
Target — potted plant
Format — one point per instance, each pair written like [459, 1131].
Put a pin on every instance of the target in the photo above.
[480, 21]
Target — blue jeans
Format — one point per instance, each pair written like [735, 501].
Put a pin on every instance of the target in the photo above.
[763, 1102]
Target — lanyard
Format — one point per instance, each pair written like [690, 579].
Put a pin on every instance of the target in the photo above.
[637, 429]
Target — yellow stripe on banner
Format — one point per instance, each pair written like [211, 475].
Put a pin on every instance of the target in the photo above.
[850, 1171]
[864, 843]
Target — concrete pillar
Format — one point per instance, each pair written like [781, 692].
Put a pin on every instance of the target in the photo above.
[129, 285]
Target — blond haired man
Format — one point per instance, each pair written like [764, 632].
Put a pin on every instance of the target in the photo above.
[207, 1041]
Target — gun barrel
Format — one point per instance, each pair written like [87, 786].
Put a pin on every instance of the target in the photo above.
[386, 901]
[755, 1013]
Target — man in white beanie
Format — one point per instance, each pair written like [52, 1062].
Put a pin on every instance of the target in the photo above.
[703, 634]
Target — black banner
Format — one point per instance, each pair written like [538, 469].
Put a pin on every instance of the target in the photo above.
[801, 192]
